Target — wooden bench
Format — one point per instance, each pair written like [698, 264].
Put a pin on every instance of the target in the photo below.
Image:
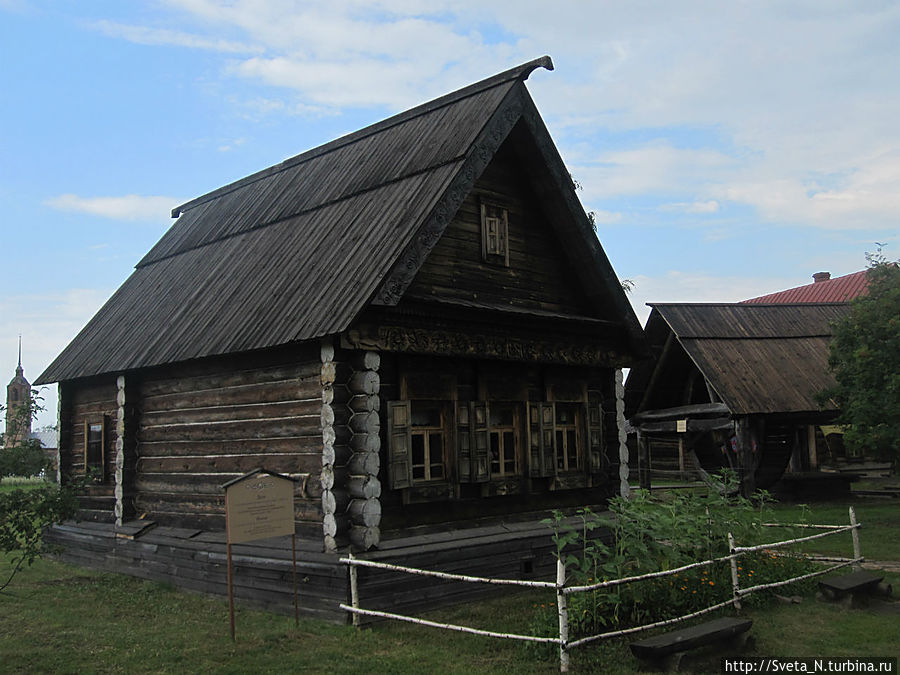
[665, 651]
[850, 587]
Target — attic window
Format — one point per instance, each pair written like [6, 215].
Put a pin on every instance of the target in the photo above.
[494, 234]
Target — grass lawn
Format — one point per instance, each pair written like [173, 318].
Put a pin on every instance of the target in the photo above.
[879, 536]
[57, 618]
[13, 483]
[63, 619]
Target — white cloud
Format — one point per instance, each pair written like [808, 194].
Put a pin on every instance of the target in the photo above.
[144, 35]
[127, 207]
[711, 206]
[867, 198]
[349, 53]
[657, 168]
[231, 145]
[749, 103]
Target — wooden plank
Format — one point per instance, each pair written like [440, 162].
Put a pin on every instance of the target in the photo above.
[203, 413]
[87, 395]
[310, 444]
[287, 462]
[308, 425]
[226, 373]
[242, 394]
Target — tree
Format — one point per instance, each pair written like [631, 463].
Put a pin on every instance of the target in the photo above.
[26, 512]
[26, 457]
[865, 360]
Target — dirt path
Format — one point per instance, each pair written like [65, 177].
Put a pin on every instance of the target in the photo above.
[892, 566]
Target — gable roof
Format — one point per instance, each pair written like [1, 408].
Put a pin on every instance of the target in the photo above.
[839, 289]
[298, 250]
[758, 358]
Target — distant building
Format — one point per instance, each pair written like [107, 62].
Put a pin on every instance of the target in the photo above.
[735, 384]
[18, 425]
[823, 289]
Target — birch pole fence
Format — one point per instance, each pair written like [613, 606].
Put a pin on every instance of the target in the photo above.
[562, 591]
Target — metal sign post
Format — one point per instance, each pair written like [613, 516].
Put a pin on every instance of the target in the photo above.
[259, 505]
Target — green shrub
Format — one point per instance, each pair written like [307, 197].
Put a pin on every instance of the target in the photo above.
[651, 535]
[25, 514]
[26, 459]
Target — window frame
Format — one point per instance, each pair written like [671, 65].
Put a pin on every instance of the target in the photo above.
[90, 458]
[427, 432]
[402, 431]
[500, 432]
[544, 452]
[563, 433]
[494, 233]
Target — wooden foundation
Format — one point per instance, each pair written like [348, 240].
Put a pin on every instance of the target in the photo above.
[196, 560]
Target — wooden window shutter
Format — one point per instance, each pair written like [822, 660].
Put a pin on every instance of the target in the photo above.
[541, 440]
[596, 457]
[463, 443]
[480, 442]
[494, 233]
[400, 444]
[472, 442]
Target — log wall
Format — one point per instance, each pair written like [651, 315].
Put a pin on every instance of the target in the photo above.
[201, 426]
[90, 403]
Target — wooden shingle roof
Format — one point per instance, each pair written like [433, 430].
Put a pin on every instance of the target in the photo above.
[758, 358]
[298, 250]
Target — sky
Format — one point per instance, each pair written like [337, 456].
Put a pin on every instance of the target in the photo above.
[728, 149]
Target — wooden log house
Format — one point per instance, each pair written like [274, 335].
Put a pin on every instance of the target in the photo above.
[416, 321]
[734, 386]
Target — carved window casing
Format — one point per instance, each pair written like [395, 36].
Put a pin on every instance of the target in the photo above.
[494, 233]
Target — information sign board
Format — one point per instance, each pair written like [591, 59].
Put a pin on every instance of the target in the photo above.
[258, 506]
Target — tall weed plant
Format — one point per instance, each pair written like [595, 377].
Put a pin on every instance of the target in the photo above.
[651, 534]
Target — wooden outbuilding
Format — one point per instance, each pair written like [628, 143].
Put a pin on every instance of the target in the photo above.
[735, 386]
[416, 321]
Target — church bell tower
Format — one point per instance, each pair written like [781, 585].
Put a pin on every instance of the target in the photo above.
[18, 391]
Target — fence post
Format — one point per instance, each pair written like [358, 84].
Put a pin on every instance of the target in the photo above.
[354, 590]
[563, 615]
[855, 532]
[735, 585]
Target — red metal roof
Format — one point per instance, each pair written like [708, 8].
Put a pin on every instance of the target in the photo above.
[839, 289]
